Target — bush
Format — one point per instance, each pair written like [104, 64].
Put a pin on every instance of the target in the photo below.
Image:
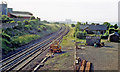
[106, 33]
[19, 22]
[6, 36]
[26, 22]
[119, 32]
[73, 25]
[21, 40]
[104, 37]
[32, 17]
[6, 19]
[111, 30]
[12, 22]
[32, 22]
[81, 34]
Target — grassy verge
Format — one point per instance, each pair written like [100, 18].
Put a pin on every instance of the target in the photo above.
[60, 61]
[68, 40]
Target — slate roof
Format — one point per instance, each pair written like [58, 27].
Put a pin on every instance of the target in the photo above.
[97, 27]
[82, 27]
[93, 27]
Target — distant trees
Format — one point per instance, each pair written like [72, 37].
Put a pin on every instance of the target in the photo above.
[79, 23]
[45, 21]
[56, 23]
[92, 23]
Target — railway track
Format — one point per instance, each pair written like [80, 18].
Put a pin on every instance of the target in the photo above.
[22, 58]
[37, 67]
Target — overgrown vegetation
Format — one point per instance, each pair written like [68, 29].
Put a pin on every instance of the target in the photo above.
[79, 34]
[25, 32]
[6, 19]
[21, 40]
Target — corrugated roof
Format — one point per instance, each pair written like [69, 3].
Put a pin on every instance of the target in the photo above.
[22, 13]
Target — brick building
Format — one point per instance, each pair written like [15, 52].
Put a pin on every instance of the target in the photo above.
[13, 14]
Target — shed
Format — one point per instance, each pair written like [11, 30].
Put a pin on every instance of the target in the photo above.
[90, 40]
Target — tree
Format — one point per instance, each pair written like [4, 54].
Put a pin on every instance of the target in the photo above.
[111, 26]
[79, 23]
[108, 24]
[86, 22]
[119, 32]
[77, 27]
[81, 34]
[73, 25]
[92, 23]
[115, 26]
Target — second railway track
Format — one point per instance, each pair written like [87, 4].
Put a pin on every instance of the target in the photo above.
[16, 62]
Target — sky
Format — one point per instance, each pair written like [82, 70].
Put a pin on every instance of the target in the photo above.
[76, 10]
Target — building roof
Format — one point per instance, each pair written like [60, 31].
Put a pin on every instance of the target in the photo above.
[97, 27]
[21, 13]
[82, 27]
[93, 27]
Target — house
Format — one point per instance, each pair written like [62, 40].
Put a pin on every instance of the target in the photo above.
[97, 29]
[83, 27]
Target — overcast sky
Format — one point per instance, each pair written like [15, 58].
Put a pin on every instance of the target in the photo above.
[77, 10]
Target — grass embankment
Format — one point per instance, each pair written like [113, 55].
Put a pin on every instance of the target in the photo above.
[13, 38]
[25, 39]
[69, 39]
